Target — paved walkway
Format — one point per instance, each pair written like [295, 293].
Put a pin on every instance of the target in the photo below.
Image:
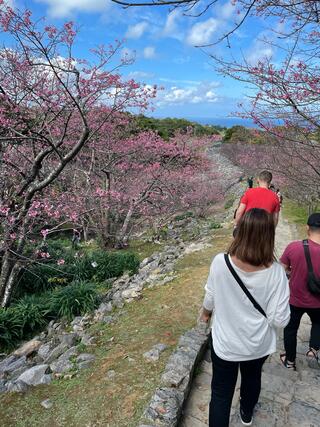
[288, 399]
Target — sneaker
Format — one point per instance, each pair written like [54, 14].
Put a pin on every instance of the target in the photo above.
[246, 418]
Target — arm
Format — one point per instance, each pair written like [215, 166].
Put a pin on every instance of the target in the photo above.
[240, 211]
[276, 218]
[208, 302]
[279, 308]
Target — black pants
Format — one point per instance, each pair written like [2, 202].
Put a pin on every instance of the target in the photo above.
[223, 383]
[290, 331]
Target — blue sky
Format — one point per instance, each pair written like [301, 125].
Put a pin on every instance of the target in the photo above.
[163, 45]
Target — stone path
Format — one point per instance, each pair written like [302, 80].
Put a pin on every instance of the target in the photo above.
[290, 399]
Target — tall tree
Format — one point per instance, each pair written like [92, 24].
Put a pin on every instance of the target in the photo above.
[49, 101]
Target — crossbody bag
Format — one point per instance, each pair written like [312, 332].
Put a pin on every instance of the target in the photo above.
[313, 282]
[256, 305]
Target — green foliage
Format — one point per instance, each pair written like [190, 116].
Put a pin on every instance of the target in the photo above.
[11, 326]
[229, 203]
[167, 127]
[74, 299]
[33, 311]
[183, 216]
[96, 266]
[214, 225]
[245, 135]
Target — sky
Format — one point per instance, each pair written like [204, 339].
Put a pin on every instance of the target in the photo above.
[162, 44]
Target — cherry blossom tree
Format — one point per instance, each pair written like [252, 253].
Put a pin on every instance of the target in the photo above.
[52, 104]
[126, 181]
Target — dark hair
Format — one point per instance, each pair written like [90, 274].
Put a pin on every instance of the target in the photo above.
[254, 240]
[314, 229]
[265, 176]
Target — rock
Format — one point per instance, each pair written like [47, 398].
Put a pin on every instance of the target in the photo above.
[111, 375]
[17, 386]
[85, 357]
[108, 319]
[104, 308]
[12, 363]
[85, 360]
[3, 386]
[132, 293]
[153, 355]
[44, 351]
[165, 407]
[60, 366]
[47, 404]
[77, 320]
[28, 348]
[68, 339]
[56, 352]
[73, 351]
[36, 375]
[88, 339]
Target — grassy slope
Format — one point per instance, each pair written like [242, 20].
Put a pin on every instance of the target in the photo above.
[91, 399]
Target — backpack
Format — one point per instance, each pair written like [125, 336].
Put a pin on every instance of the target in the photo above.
[313, 282]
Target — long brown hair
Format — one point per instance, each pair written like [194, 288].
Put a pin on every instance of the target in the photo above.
[254, 240]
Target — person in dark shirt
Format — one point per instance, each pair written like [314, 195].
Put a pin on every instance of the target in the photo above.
[301, 299]
[250, 182]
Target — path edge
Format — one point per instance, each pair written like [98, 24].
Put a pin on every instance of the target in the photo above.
[165, 407]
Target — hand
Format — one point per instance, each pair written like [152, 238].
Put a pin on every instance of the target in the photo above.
[204, 316]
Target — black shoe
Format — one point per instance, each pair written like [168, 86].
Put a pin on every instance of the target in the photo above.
[246, 418]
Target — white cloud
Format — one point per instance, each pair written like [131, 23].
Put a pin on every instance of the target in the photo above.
[260, 49]
[225, 11]
[149, 52]
[63, 8]
[202, 32]
[202, 92]
[136, 31]
[171, 28]
[140, 75]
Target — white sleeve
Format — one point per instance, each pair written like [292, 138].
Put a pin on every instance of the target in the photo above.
[278, 312]
[208, 302]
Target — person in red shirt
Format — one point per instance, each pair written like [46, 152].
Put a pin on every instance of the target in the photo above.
[301, 299]
[260, 197]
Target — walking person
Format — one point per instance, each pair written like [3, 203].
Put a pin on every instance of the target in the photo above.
[250, 181]
[302, 300]
[260, 197]
[247, 290]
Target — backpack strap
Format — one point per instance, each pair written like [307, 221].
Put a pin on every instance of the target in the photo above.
[256, 305]
[307, 255]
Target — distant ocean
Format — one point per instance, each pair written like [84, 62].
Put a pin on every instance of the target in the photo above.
[225, 122]
[221, 121]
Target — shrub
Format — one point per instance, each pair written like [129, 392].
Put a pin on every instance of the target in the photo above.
[33, 311]
[98, 266]
[73, 300]
[11, 326]
[113, 264]
[215, 225]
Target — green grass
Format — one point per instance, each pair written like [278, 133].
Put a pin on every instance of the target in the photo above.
[295, 212]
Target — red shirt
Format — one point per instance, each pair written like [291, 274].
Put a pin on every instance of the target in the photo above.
[262, 198]
[294, 257]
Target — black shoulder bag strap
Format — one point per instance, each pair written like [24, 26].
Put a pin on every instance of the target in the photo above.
[243, 287]
[307, 255]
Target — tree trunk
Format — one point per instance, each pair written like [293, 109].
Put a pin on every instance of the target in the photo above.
[10, 269]
[123, 235]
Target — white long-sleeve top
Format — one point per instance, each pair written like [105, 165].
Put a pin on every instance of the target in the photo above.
[239, 331]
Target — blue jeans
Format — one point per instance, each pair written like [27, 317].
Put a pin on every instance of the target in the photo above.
[223, 383]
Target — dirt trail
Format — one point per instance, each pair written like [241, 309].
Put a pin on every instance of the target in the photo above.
[287, 398]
